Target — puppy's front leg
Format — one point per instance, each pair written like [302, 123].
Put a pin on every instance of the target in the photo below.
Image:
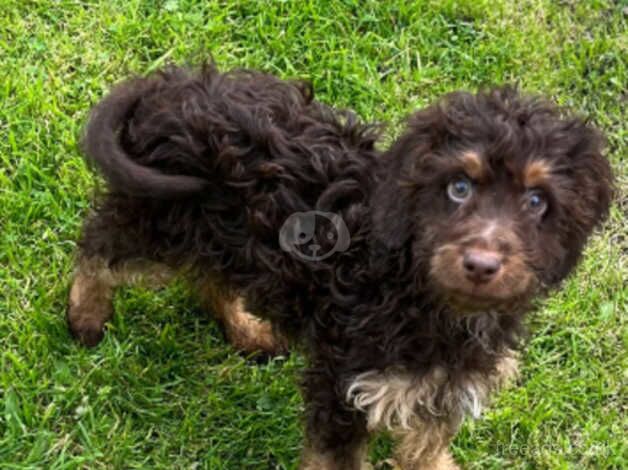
[425, 447]
[336, 436]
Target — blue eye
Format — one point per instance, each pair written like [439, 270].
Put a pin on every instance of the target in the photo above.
[459, 189]
[536, 202]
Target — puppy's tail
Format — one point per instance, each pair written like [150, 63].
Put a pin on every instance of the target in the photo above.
[102, 147]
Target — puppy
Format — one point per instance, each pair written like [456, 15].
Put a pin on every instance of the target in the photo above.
[402, 275]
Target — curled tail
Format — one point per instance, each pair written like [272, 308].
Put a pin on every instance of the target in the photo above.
[103, 148]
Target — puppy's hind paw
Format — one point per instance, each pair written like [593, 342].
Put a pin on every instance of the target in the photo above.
[88, 331]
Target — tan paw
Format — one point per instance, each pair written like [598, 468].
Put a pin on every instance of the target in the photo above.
[250, 334]
[87, 330]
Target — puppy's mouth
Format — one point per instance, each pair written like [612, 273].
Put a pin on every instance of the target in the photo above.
[475, 280]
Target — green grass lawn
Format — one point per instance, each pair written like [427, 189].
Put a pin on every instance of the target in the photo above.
[164, 390]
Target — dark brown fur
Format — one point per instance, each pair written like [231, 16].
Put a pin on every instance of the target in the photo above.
[203, 168]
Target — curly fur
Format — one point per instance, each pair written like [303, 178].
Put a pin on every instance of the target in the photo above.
[395, 399]
[203, 168]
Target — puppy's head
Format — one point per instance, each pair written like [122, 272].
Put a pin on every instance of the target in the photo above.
[496, 193]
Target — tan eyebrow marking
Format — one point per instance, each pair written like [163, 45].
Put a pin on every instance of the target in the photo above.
[536, 173]
[473, 164]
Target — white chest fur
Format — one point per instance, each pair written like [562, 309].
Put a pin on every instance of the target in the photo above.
[393, 398]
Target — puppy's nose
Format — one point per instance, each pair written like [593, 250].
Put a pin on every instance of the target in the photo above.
[481, 265]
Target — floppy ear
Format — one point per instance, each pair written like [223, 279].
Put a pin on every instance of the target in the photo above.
[585, 191]
[592, 174]
[394, 202]
[392, 210]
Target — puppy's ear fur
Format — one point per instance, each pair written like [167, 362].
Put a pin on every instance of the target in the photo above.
[587, 203]
[394, 207]
[592, 173]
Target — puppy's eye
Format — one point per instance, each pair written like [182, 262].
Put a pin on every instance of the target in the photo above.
[459, 189]
[536, 202]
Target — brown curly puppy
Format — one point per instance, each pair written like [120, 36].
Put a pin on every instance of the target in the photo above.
[409, 299]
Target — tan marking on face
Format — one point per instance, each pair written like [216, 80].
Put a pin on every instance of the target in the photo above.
[513, 283]
[536, 173]
[489, 230]
[513, 280]
[473, 165]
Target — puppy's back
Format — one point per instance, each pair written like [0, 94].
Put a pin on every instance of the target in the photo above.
[163, 136]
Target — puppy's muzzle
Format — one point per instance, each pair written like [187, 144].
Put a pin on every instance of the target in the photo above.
[482, 264]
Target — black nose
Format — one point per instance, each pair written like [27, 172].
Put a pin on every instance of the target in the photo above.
[481, 265]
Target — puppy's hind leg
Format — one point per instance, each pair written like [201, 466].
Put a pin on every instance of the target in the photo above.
[245, 331]
[111, 254]
[90, 304]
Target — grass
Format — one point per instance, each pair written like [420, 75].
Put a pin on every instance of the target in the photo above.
[164, 390]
